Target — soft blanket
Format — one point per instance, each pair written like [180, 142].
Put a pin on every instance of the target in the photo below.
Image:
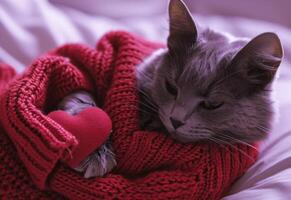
[150, 165]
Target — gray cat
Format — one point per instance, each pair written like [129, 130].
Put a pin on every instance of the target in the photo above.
[203, 86]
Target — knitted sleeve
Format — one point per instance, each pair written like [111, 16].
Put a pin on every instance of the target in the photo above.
[40, 142]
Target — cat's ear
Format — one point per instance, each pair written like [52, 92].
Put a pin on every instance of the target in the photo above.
[183, 32]
[257, 62]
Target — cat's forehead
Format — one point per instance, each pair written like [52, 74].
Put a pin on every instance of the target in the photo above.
[212, 47]
[206, 63]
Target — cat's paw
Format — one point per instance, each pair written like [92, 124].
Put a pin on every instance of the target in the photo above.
[98, 163]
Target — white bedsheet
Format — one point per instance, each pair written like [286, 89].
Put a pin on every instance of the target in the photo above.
[31, 27]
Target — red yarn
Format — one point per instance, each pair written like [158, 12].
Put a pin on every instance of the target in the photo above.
[150, 165]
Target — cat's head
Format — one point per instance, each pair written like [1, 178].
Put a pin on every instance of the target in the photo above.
[207, 86]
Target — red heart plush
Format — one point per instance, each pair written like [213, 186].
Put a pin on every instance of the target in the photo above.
[91, 127]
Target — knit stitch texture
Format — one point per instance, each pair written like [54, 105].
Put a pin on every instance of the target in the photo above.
[150, 165]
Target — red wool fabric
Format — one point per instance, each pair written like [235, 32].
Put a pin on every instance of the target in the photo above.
[150, 165]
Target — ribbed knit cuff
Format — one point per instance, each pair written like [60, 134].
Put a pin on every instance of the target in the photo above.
[40, 141]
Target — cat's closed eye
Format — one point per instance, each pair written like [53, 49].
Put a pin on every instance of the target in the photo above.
[211, 105]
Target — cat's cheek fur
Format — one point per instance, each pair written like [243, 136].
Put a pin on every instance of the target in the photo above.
[146, 70]
[250, 121]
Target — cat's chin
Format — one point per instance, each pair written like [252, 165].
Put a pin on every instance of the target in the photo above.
[182, 139]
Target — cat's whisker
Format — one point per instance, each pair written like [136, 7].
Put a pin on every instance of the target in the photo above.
[228, 137]
[145, 96]
[241, 151]
[140, 110]
[149, 101]
[147, 104]
[143, 92]
[162, 113]
[150, 110]
[262, 128]
[232, 146]
[200, 136]
[145, 75]
[237, 140]
[223, 143]
[213, 140]
[155, 109]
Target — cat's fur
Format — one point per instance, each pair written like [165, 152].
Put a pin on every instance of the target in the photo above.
[202, 87]
[205, 86]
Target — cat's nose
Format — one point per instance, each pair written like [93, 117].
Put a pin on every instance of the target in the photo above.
[176, 123]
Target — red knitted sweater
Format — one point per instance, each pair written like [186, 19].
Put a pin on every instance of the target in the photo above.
[150, 165]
